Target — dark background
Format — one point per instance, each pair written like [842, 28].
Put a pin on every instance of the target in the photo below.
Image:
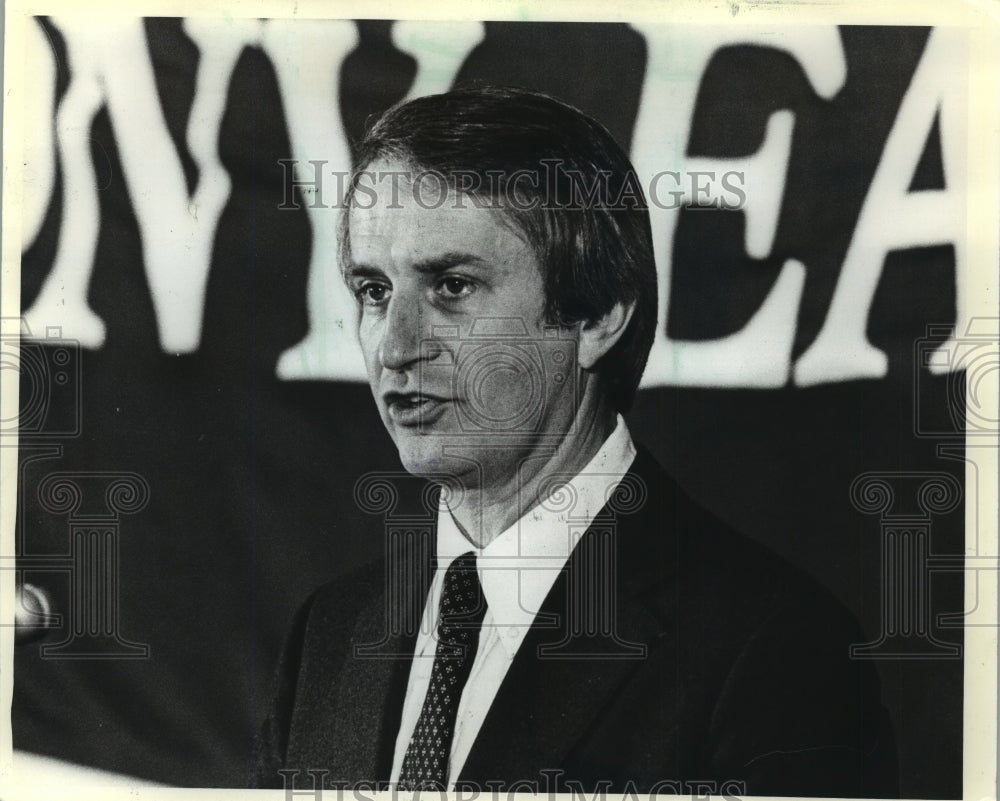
[251, 478]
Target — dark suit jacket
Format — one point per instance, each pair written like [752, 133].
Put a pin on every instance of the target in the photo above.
[724, 666]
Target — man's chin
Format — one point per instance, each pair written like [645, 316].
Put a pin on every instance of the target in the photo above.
[433, 457]
[422, 464]
[421, 454]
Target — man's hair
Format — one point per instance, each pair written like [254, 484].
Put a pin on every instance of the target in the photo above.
[584, 213]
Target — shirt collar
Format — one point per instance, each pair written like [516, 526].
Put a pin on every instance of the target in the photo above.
[519, 567]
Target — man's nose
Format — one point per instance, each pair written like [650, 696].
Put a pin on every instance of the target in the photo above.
[401, 337]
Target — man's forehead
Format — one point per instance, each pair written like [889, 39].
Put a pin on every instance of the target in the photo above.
[411, 222]
[409, 226]
[393, 181]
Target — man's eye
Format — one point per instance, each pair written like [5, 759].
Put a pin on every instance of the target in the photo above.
[372, 293]
[455, 287]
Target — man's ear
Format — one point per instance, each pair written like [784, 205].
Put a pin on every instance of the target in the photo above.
[599, 336]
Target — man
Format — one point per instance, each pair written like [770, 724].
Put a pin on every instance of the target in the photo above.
[572, 621]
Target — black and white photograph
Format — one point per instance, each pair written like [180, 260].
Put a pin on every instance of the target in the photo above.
[528, 398]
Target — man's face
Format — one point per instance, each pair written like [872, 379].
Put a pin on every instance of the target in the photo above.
[467, 377]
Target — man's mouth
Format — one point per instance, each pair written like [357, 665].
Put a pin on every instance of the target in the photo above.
[413, 408]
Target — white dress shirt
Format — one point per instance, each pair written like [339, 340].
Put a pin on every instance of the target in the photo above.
[517, 570]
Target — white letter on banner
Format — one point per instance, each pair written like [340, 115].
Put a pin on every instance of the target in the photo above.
[177, 230]
[759, 355]
[440, 49]
[894, 218]
[39, 131]
[307, 59]
[330, 350]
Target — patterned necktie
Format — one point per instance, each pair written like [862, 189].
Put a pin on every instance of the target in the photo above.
[425, 766]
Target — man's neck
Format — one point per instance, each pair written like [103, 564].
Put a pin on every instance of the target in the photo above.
[486, 512]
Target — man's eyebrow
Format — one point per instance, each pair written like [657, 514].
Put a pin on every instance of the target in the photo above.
[453, 258]
[355, 270]
[431, 266]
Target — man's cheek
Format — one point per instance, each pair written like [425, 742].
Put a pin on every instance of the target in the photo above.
[368, 337]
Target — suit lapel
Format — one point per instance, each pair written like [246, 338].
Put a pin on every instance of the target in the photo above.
[369, 702]
[372, 683]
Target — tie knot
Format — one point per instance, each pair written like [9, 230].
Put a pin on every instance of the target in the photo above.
[462, 602]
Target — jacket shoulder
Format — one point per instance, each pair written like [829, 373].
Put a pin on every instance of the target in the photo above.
[681, 554]
[762, 648]
[347, 594]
